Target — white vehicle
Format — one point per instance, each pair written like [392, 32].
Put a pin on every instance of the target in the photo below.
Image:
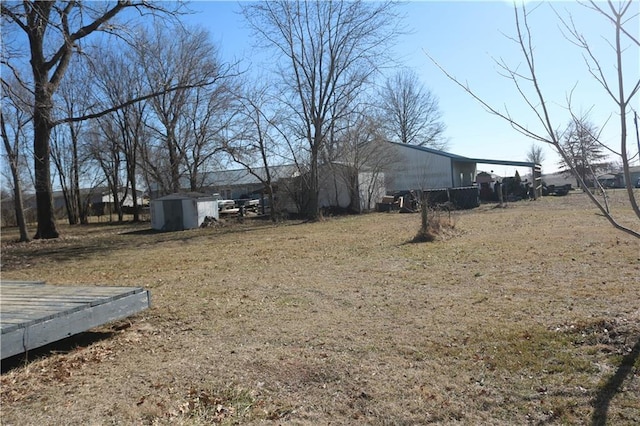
[225, 205]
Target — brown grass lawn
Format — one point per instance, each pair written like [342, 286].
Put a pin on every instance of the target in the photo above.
[524, 315]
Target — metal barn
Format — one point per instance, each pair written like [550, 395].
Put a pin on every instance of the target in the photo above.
[421, 168]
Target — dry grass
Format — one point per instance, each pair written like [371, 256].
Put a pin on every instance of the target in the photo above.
[526, 315]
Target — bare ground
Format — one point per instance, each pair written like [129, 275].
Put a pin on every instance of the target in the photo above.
[528, 314]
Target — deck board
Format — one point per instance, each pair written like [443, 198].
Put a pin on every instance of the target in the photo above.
[33, 314]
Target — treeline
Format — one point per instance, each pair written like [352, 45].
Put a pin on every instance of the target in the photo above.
[127, 96]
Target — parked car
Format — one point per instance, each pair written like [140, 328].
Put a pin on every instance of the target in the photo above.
[638, 183]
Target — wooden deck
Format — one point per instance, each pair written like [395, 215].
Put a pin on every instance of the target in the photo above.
[33, 314]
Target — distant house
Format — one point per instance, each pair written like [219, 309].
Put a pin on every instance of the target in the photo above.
[98, 199]
[611, 180]
[607, 180]
[635, 176]
[487, 185]
[560, 179]
[616, 180]
[240, 183]
[97, 196]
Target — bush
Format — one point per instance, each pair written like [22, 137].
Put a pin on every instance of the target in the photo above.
[433, 224]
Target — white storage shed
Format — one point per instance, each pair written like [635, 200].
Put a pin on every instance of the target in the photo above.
[177, 212]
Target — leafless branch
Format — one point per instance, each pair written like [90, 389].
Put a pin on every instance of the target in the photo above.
[525, 44]
[128, 103]
[516, 125]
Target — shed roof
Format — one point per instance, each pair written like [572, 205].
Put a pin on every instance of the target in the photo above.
[461, 159]
[234, 177]
[187, 196]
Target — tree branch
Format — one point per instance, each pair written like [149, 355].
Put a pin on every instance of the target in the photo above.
[525, 43]
[130, 102]
[15, 18]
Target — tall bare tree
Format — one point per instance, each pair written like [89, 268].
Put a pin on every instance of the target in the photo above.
[52, 32]
[257, 138]
[410, 112]
[328, 51]
[204, 128]
[185, 122]
[66, 141]
[105, 149]
[621, 88]
[14, 118]
[117, 78]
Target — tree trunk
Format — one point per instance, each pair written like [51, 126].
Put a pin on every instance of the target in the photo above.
[175, 173]
[272, 205]
[117, 203]
[313, 208]
[134, 198]
[42, 158]
[18, 204]
[75, 187]
[424, 212]
[354, 189]
[70, 205]
[131, 178]
[13, 157]
[174, 160]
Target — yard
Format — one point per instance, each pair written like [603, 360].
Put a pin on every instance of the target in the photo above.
[528, 314]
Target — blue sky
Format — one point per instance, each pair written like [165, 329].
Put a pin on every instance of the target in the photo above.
[466, 38]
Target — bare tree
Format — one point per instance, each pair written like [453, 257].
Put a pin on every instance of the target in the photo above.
[619, 89]
[257, 138]
[358, 155]
[185, 122]
[52, 32]
[370, 157]
[64, 160]
[204, 128]
[583, 150]
[340, 152]
[105, 149]
[535, 154]
[15, 110]
[410, 112]
[118, 79]
[329, 50]
[66, 145]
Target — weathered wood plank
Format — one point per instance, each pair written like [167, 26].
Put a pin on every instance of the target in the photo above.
[33, 314]
[18, 289]
[13, 282]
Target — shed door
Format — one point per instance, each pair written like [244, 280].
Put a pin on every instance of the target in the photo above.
[173, 216]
